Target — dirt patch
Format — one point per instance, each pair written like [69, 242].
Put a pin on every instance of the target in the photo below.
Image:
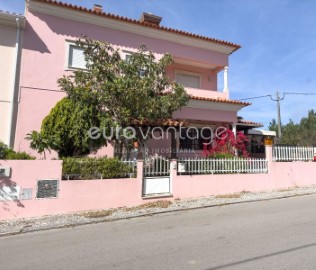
[228, 196]
[232, 195]
[157, 204]
[97, 214]
[285, 189]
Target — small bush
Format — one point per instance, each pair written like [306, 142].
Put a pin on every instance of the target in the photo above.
[8, 153]
[94, 168]
[20, 155]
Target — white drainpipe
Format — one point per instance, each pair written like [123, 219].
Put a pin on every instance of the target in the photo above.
[15, 66]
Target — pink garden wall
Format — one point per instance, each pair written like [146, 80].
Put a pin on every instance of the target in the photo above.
[81, 195]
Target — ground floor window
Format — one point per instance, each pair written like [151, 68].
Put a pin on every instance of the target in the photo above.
[194, 138]
[256, 144]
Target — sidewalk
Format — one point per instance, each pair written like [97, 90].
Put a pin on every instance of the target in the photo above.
[18, 226]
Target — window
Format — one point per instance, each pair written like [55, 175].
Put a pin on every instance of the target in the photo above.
[128, 57]
[142, 72]
[188, 79]
[193, 138]
[256, 145]
[76, 57]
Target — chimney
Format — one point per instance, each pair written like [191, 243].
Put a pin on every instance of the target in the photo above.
[97, 8]
[150, 18]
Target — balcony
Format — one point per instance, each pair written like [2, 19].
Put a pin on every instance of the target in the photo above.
[201, 81]
[206, 93]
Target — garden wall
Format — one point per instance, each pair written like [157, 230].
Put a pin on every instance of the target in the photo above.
[19, 193]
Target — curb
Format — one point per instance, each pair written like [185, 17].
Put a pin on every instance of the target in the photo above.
[23, 231]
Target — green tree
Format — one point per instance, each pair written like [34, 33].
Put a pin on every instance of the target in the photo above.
[290, 133]
[302, 134]
[307, 129]
[40, 143]
[273, 125]
[124, 90]
[67, 127]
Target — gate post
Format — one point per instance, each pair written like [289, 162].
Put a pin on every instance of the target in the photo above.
[140, 165]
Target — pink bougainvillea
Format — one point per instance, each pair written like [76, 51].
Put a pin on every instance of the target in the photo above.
[227, 145]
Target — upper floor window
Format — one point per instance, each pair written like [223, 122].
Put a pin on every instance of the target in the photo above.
[188, 79]
[76, 57]
[127, 55]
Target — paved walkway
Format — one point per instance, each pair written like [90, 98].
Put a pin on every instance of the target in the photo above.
[75, 219]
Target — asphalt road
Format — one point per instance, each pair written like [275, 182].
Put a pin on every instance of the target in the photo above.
[278, 234]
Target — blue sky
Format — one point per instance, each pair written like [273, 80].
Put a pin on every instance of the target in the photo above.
[278, 41]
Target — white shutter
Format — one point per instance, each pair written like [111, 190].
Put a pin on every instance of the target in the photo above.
[192, 81]
[76, 57]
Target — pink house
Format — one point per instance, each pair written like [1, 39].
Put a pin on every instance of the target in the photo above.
[49, 52]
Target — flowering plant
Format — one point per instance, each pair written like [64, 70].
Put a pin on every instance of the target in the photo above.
[226, 145]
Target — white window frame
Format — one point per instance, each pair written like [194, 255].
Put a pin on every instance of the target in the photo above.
[126, 53]
[68, 44]
[184, 72]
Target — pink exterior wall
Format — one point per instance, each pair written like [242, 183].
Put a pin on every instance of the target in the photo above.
[34, 105]
[74, 196]
[44, 61]
[206, 115]
[44, 53]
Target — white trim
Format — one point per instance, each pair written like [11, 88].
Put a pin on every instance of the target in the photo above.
[213, 105]
[261, 132]
[69, 43]
[10, 19]
[14, 78]
[127, 27]
[226, 90]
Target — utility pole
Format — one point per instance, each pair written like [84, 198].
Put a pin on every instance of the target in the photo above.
[279, 115]
[278, 99]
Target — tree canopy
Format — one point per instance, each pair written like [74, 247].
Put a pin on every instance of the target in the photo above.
[65, 128]
[111, 92]
[302, 133]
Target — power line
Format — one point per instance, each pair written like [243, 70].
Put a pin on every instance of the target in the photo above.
[278, 99]
[285, 93]
[255, 97]
[305, 94]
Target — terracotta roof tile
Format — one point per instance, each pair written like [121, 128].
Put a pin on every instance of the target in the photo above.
[250, 123]
[162, 122]
[145, 24]
[222, 100]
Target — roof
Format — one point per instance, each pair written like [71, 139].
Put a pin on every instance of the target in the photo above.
[162, 122]
[137, 22]
[221, 100]
[10, 19]
[262, 132]
[242, 122]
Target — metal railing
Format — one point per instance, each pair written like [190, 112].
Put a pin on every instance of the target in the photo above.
[222, 166]
[156, 166]
[293, 153]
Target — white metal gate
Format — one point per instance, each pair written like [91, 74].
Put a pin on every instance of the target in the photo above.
[156, 176]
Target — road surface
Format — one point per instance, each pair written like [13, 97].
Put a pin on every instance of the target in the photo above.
[278, 234]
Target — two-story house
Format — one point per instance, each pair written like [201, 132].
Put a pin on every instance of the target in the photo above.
[49, 52]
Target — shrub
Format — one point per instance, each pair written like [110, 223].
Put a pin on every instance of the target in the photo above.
[8, 153]
[19, 155]
[94, 168]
